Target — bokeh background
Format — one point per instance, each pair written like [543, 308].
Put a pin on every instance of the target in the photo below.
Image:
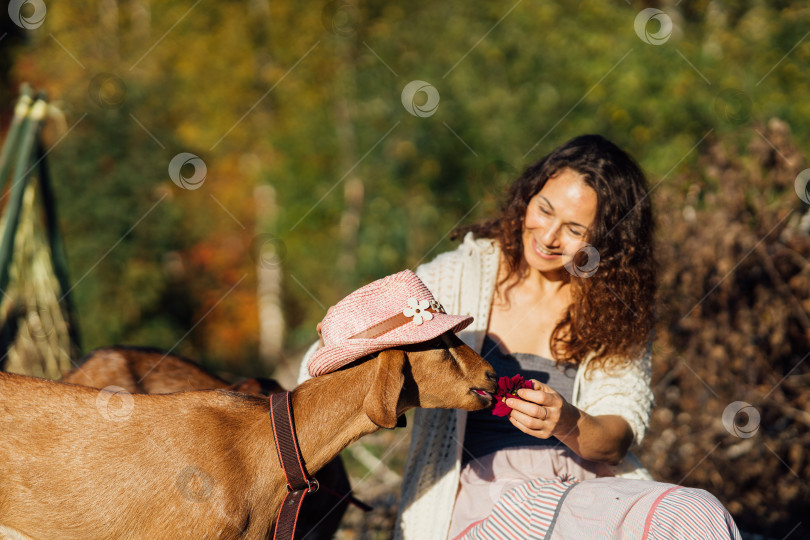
[311, 173]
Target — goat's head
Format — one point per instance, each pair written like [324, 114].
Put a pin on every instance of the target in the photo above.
[443, 373]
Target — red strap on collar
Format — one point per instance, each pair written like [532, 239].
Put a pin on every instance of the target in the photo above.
[299, 483]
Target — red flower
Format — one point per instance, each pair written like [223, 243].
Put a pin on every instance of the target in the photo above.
[507, 388]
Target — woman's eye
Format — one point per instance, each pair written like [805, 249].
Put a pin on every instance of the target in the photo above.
[545, 211]
[576, 232]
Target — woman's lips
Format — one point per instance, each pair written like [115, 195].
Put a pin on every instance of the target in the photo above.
[538, 250]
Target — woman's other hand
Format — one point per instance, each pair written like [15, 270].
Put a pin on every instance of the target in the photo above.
[543, 413]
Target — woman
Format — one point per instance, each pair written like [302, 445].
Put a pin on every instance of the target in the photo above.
[543, 308]
[561, 286]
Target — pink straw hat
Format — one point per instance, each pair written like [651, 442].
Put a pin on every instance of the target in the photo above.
[390, 312]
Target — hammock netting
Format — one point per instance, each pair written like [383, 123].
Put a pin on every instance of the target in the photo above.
[37, 326]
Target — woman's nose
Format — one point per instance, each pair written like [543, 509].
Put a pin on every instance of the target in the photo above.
[550, 235]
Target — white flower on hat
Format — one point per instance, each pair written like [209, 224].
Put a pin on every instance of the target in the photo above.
[418, 310]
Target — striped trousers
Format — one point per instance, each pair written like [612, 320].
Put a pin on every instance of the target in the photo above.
[563, 508]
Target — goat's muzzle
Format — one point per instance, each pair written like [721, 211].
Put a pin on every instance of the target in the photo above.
[485, 393]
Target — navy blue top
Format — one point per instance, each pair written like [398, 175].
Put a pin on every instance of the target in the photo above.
[485, 432]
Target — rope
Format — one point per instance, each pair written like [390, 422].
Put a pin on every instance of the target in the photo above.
[38, 333]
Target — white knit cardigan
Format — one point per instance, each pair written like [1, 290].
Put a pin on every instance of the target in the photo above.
[463, 281]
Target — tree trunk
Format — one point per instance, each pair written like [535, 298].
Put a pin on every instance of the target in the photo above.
[269, 252]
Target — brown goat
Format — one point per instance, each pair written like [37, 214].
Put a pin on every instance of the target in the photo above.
[199, 464]
[146, 370]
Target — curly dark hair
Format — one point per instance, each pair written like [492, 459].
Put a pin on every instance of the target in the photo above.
[611, 315]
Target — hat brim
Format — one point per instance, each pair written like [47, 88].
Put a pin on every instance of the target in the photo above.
[332, 357]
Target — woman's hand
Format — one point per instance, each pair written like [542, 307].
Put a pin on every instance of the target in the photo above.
[543, 413]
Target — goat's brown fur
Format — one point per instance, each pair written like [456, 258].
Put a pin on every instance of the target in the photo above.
[146, 370]
[199, 464]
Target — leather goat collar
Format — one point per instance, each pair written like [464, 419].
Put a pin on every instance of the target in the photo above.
[299, 483]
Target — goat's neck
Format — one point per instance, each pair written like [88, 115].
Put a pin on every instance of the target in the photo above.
[328, 412]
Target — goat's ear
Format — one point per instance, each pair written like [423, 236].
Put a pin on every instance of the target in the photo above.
[380, 404]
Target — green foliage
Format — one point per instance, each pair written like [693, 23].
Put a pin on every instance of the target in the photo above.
[237, 79]
[241, 78]
[102, 190]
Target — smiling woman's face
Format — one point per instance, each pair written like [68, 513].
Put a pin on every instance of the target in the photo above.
[557, 220]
